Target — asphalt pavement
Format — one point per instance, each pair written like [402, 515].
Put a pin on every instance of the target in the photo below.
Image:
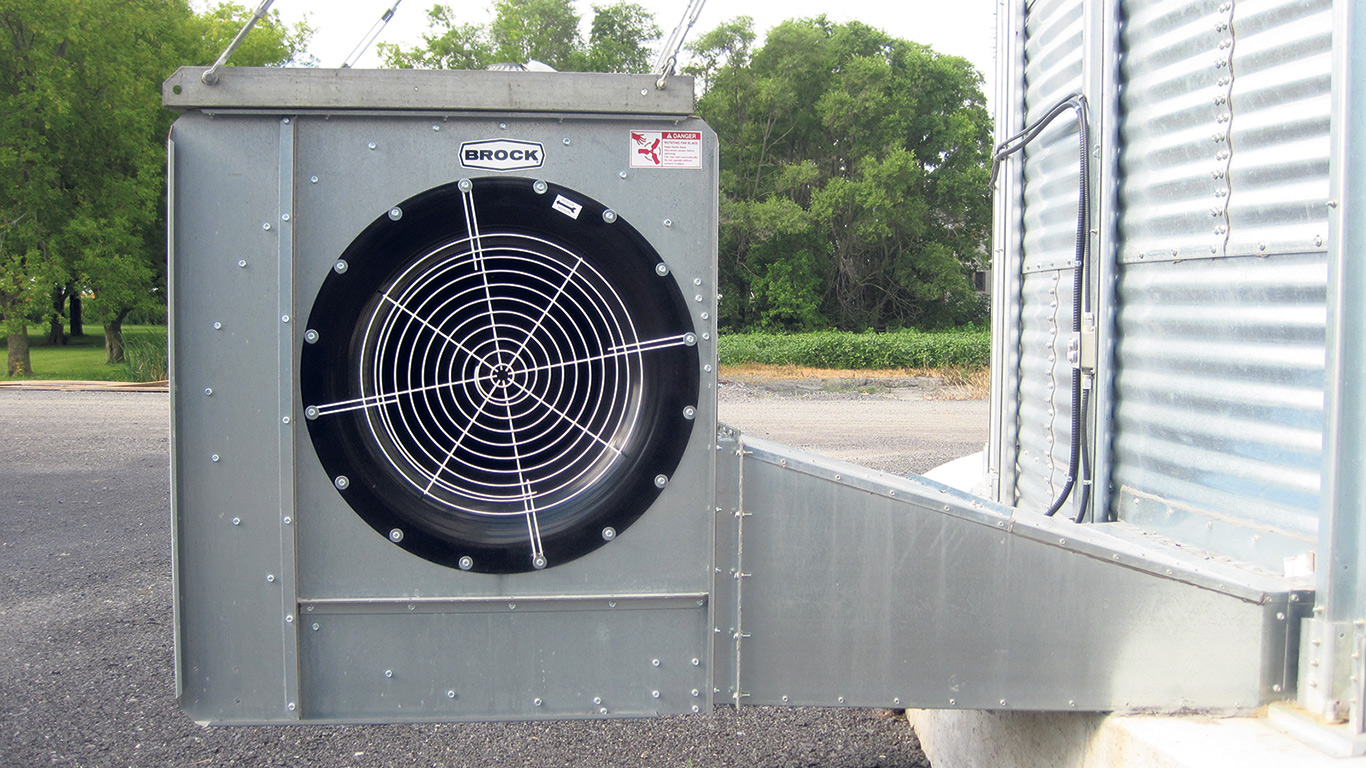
[86, 656]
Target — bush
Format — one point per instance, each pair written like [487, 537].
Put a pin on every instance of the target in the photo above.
[969, 347]
[146, 356]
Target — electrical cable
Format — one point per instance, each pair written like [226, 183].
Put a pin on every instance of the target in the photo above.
[1078, 458]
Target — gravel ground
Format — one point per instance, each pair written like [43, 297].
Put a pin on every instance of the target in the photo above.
[86, 665]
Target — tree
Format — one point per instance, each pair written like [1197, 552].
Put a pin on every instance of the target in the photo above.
[523, 31]
[853, 176]
[82, 147]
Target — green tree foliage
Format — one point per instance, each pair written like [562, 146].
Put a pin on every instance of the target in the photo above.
[853, 177]
[534, 30]
[82, 146]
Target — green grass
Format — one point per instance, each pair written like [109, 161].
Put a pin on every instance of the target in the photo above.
[82, 359]
[969, 347]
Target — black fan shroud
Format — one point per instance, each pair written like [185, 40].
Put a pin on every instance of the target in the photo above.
[499, 375]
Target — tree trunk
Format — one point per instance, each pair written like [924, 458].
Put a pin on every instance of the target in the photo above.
[77, 327]
[113, 338]
[20, 363]
[56, 334]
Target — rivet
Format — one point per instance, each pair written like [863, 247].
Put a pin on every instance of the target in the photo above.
[218, 326]
[897, 701]
[705, 316]
[654, 662]
[436, 127]
[312, 179]
[214, 458]
[952, 702]
[1280, 616]
[465, 185]
[266, 226]
[284, 318]
[311, 336]
[689, 339]
[609, 215]
[502, 126]
[340, 267]
[654, 694]
[512, 606]
[284, 217]
[661, 481]
[237, 521]
[270, 578]
[242, 263]
[696, 709]
[396, 535]
[450, 694]
[696, 662]
[784, 699]
[611, 603]
[1003, 702]
[285, 420]
[661, 269]
[622, 174]
[341, 481]
[466, 563]
[395, 213]
[292, 706]
[602, 711]
[208, 391]
[538, 562]
[668, 222]
[705, 335]
[697, 281]
[597, 700]
[565, 141]
[697, 298]
[707, 368]
[540, 187]
[315, 626]
[287, 520]
[841, 699]
[609, 533]
[1276, 687]
[388, 673]
[689, 412]
[371, 145]
[537, 702]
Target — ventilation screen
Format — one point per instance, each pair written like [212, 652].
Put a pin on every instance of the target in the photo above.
[499, 375]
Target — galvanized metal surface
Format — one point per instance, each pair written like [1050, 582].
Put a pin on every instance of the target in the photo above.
[1219, 361]
[913, 594]
[428, 90]
[262, 535]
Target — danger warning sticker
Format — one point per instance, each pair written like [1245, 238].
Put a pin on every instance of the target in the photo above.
[666, 149]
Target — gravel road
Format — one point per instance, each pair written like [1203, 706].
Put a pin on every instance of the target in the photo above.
[86, 673]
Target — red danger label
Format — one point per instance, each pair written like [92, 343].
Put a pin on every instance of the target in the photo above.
[666, 149]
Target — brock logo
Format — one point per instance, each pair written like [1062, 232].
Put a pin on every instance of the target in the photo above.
[501, 154]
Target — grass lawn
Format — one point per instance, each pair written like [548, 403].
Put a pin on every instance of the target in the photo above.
[82, 358]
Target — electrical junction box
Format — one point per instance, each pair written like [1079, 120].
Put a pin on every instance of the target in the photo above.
[443, 365]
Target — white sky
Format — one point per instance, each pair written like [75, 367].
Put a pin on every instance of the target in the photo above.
[964, 28]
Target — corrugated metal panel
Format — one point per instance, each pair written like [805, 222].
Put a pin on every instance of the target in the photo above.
[1218, 395]
[1053, 70]
[1174, 158]
[1278, 175]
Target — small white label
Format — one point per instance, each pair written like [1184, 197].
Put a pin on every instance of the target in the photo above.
[666, 149]
[567, 207]
[501, 154]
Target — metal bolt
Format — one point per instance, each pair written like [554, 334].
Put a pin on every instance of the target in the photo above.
[705, 335]
[311, 336]
[466, 563]
[654, 694]
[622, 174]
[242, 263]
[602, 711]
[450, 694]
[465, 185]
[270, 578]
[395, 213]
[213, 458]
[952, 702]
[311, 412]
[287, 520]
[315, 626]
[537, 702]
[1003, 702]
[284, 318]
[840, 699]
[1276, 687]
[540, 187]
[342, 482]
[661, 481]
[897, 701]
[503, 126]
[237, 521]
[707, 368]
[697, 281]
[661, 269]
[609, 216]
[371, 145]
[1280, 616]
[538, 562]
[696, 709]
[218, 326]
[565, 140]
[312, 179]
[208, 391]
[668, 222]
[696, 662]
[597, 700]
[292, 706]
[609, 533]
[436, 127]
[689, 339]
[396, 535]
[697, 298]
[785, 699]
[388, 673]
[284, 217]
[705, 316]
[654, 662]
[285, 420]
[512, 606]
[266, 226]
[340, 267]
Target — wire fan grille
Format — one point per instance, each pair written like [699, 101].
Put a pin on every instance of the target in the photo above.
[504, 389]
